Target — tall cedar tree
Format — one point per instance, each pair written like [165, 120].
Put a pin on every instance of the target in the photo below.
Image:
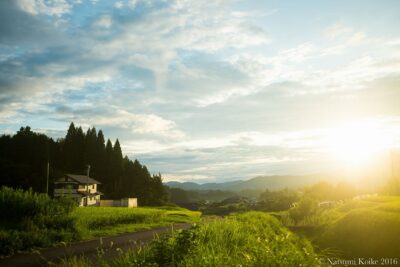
[24, 157]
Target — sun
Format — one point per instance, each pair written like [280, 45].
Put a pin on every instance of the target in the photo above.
[356, 144]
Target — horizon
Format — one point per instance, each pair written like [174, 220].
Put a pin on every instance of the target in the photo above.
[210, 92]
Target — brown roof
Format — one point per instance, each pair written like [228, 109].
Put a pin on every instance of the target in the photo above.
[83, 179]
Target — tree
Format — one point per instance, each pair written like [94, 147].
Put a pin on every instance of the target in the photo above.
[159, 195]
[107, 180]
[278, 200]
[90, 147]
[24, 157]
[99, 168]
[178, 196]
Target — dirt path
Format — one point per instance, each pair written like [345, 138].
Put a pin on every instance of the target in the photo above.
[89, 248]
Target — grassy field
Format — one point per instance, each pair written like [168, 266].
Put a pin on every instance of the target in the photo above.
[103, 221]
[248, 239]
[30, 220]
[368, 227]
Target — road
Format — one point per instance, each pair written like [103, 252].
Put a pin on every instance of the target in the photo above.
[89, 248]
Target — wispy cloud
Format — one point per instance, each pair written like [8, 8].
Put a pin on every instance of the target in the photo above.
[194, 87]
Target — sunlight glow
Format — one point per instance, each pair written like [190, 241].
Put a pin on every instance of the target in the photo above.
[357, 144]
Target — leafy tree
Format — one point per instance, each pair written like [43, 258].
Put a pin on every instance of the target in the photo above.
[278, 200]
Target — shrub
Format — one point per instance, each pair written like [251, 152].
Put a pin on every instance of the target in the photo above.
[17, 205]
[33, 220]
[306, 207]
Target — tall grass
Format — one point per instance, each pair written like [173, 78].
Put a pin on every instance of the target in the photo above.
[365, 232]
[367, 227]
[30, 219]
[16, 205]
[249, 239]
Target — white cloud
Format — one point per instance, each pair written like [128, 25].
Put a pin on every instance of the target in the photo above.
[132, 4]
[147, 124]
[153, 41]
[190, 82]
[143, 147]
[104, 21]
[119, 4]
[51, 8]
[337, 30]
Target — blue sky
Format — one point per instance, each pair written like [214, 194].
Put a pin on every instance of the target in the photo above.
[207, 90]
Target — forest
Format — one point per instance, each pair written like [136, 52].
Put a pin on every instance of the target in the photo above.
[24, 157]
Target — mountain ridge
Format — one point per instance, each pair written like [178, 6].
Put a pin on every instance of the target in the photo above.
[273, 182]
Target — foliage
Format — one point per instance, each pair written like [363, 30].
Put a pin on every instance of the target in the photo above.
[33, 220]
[178, 196]
[325, 191]
[220, 208]
[364, 227]
[306, 207]
[277, 200]
[24, 157]
[368, 226]
[249, 239]
[17, 205]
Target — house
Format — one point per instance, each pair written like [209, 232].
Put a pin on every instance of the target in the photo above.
[81, 188]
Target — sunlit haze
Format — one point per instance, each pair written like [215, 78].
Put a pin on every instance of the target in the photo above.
[357, 144]
[210, 91]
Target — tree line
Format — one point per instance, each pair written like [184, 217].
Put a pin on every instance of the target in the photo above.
[24, 157]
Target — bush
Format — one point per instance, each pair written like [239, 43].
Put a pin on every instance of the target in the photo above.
[9, 243]
[17, 205]
[306, 207]
[33, 220]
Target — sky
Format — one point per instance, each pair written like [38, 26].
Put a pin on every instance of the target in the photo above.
[207, 91]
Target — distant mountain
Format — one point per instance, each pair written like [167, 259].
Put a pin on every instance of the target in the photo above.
[206, 186]
[275, 182]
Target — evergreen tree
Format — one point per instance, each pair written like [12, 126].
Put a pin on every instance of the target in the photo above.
[107, 182]
[68, 149]
[116, 169]
[100, 158]
[90, 147]
[24, 157]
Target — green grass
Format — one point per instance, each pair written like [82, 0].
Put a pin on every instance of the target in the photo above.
[103, 221]
[367, 227]
[248, 239]
[30, 220]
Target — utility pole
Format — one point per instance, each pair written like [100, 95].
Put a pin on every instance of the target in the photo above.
[47, 177]
[87, 185]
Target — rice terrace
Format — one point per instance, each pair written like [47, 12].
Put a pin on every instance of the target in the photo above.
[237, 133]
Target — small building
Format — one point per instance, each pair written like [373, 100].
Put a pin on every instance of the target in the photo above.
[81, 188]
[124, 202]
[327, 204]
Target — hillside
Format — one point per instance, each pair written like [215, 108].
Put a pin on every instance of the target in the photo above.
[260, 182]
[368, 226]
